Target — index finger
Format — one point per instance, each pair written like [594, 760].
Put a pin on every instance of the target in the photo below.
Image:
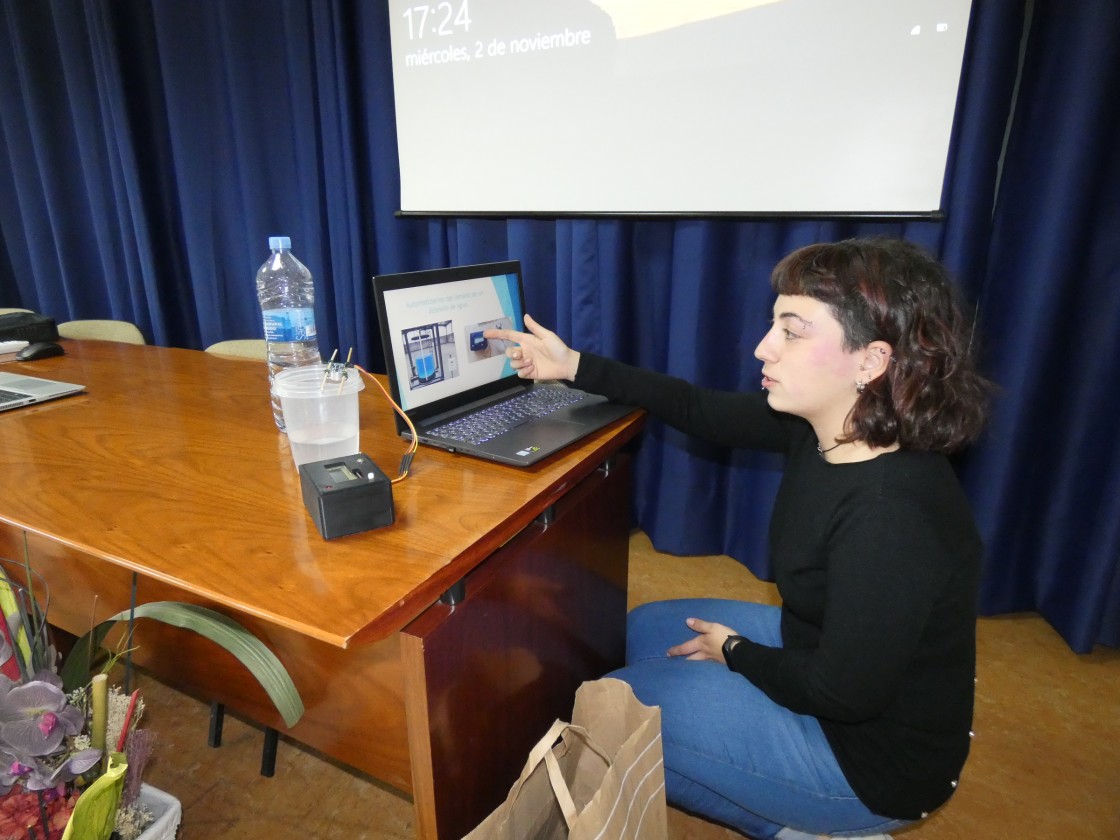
[507, 335]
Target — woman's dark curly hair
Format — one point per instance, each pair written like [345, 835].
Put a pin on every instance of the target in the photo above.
[931, 398]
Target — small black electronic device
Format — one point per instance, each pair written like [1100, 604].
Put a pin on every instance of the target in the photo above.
[346, 495]
[27, 326]
[39, 350]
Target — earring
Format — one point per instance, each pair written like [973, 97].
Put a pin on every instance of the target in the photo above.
[860, 386]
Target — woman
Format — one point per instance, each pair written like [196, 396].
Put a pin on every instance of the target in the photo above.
[848, 710]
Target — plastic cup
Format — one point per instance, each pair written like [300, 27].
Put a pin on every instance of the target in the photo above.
[321, 415]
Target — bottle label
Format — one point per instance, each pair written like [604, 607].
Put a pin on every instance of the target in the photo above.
[289, 325]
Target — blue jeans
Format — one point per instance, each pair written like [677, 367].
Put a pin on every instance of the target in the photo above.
[732, 754]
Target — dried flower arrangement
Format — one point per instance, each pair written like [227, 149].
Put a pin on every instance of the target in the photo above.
[72, 752]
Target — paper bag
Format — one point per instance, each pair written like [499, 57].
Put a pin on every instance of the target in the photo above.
[603, 780]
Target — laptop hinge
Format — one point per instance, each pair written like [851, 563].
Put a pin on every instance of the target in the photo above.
[493, 399]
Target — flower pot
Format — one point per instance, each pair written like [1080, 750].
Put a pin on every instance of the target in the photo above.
[167, 811]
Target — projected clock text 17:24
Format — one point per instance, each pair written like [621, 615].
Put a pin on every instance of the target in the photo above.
[437, 19]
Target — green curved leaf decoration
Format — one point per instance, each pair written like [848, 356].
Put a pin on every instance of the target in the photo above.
[222, 630]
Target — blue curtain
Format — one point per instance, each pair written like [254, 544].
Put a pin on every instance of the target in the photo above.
[1046, 481]
[151, 147]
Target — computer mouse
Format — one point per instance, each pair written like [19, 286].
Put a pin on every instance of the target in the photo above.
[39, 350]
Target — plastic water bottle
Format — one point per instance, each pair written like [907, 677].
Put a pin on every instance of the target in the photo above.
[287, 297]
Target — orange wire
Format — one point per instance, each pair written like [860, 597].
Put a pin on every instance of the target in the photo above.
[407, 459]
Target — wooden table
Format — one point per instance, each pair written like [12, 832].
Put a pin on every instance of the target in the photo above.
[169, 470]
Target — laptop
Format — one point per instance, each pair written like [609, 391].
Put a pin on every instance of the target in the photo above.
[457, 386]
[17, 390]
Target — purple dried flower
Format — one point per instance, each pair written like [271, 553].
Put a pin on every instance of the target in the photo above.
[141, 742]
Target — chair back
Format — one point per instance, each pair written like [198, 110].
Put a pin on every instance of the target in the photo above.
[102, 330]
[242, 348]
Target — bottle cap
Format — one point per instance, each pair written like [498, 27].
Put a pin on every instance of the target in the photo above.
[279, 243]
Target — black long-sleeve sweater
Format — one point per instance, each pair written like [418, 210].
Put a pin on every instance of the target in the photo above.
[877, 564]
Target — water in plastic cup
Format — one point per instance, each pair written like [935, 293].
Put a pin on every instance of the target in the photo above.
[320, 412]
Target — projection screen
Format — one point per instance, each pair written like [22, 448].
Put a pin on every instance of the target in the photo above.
[681, 107]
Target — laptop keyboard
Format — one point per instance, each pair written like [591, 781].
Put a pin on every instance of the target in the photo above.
[487, 424]
[10, 396]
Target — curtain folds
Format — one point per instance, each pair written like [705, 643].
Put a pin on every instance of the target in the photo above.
[1046, 478]
[150, 148]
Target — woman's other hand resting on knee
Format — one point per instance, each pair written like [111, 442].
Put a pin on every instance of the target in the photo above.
[706, 644]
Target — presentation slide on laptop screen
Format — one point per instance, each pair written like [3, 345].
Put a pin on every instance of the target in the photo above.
[438, 344]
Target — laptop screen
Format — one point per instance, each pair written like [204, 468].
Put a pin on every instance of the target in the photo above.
[432, 325]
